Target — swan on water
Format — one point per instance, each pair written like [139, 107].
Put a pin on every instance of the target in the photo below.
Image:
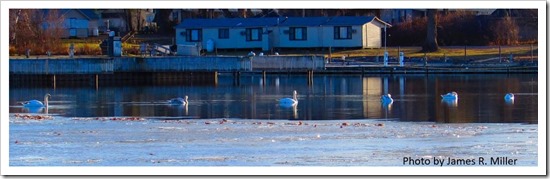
[509, 96]
[36, 103]
[179, 101]
[450, 103]
[289, 101]
[386, 98]
[450, 96]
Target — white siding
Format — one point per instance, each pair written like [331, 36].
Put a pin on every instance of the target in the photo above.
[235, 40]
[311, 41]
[374, 34]
[365, 36]
[355, 41]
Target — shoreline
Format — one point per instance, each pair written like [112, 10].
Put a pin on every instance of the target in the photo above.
[259, 64]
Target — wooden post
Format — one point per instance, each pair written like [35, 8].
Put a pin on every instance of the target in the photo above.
[310, 77]
[398, 50]
[216, 78]
[425, 60]
[464, 52]
[238, 78]
[96, 82]
[263, 77]
[499, 54]
[329, 54]
[531, 53]
[54, 85]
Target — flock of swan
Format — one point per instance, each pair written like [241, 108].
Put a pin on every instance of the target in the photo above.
[451, 97]
[285, 102]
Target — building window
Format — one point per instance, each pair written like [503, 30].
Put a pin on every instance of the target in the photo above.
[194, 35]
[298, 33]
[254, 34]
[223, 33]
[342, 32]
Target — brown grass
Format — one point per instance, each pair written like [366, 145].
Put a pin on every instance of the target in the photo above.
[457, 52]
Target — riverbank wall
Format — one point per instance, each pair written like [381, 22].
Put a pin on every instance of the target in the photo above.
[205, 69]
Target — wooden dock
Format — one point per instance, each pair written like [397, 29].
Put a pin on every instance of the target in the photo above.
[198, 70]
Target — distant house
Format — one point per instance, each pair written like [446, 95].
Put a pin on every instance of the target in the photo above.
[113, 20]
[79, 23]
[277, 32]
[397, 16]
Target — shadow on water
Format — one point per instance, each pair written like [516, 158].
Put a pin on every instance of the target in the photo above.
[327, 97]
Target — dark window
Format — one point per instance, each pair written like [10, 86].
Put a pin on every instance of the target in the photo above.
[194, 35]
[223, 33]
[254, 34]
[298, 33]
[342, 32]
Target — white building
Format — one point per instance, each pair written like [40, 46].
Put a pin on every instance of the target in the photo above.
[291, 32]
[80, 23]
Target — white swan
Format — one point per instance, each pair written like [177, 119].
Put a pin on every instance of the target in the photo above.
[386, 99]
[449, 102]
[509, 96]
[179, 101]
[450, 96]
[36, 103]
[289, 101]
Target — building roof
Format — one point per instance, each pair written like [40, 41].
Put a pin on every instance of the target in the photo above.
[277, 21]
[354, 20]
[303, 21]
[228, 22]
[88, 13]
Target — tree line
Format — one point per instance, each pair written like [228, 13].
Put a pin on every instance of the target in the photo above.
[41, 30]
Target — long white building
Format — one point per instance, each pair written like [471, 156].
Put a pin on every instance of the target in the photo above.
[281, 32]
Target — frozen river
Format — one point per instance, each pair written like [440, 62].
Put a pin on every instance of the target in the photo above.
[62, 141]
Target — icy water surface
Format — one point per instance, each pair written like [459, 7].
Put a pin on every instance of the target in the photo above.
[65, 141]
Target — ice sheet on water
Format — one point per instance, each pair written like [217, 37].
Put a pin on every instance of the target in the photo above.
[237, 142]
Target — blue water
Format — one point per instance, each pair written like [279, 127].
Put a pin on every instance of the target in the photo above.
[330, 97]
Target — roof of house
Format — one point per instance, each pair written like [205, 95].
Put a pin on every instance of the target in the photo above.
[280, 21]
[228, 22]
[354, 20]
[88, 13]
[303, 21]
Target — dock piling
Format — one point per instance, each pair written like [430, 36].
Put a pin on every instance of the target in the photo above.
[264, 77]
[54, 85]
[216, 78]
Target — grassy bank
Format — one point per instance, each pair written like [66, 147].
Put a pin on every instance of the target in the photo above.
[92, 47]
[456, 52]
[89, 46]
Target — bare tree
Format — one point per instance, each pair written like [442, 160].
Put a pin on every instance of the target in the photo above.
[430, 45]
[162, 19]
[37, 30]
[505, 31]
[134, 19]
